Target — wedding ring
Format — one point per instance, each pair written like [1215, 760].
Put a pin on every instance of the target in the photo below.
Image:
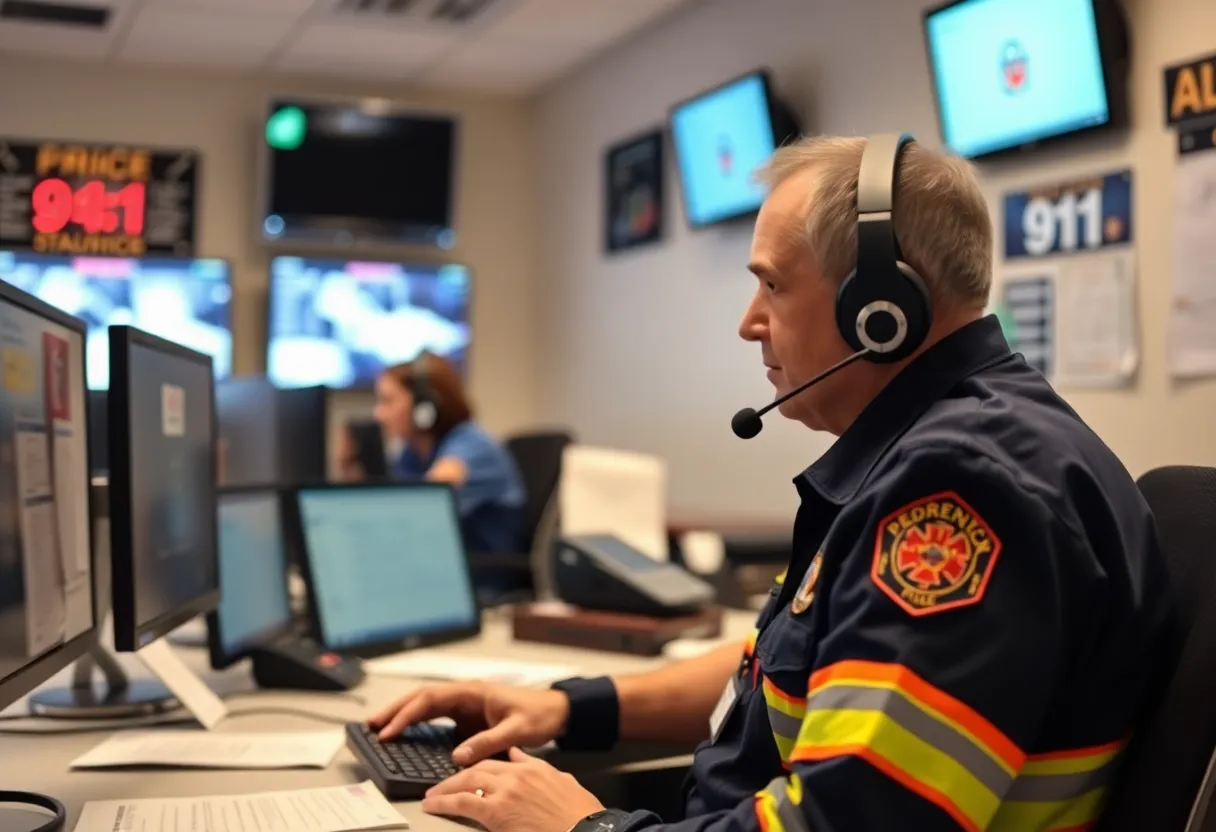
[480, 792]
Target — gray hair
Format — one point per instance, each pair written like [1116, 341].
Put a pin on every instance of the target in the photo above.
[941, 218]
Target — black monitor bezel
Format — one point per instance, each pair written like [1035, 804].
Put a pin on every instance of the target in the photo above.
[129, 634]
[38, 670]
[1111, 28]
[219, 659]
[418, 262]
[375, 649]
[783, 123]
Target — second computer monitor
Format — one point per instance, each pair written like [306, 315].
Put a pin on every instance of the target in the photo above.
[162, 486]
[48, 603]
[386, 566]
[254, 607]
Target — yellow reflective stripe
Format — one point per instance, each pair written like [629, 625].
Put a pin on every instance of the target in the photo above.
[1075, 814]
[785, 714]
[1072, 762]
[777, 807]
[900, 754]
[749, 645]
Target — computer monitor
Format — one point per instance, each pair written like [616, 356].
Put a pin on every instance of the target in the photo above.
[254, 607]
[270, 436]
[162, 486]
[385, 566]
[254, 619]
[49, 599]
[186, 300]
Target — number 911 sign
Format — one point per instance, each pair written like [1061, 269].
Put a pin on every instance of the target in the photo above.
[1063, 219]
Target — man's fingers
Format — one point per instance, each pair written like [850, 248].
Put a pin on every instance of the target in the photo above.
[489, 742]
[461, 805]
[385, 715]
[427, 703]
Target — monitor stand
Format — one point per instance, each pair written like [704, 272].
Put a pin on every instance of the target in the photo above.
[118, 697]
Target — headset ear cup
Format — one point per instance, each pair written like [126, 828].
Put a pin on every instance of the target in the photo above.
[425, 415]
[898, 295]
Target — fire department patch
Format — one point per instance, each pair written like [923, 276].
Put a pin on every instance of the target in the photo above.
[806, 590]
[934, 554]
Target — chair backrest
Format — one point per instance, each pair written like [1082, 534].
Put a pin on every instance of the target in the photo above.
[1169, 755]
[539, 459]
[609, 491]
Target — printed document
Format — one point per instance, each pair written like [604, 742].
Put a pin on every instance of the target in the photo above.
[352, 808]
[209, 749]
[425, 665]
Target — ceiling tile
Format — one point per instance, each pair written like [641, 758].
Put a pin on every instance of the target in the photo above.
[579, 21]
[203, 37]
[292, 8]
[327, 48]
[57, 40]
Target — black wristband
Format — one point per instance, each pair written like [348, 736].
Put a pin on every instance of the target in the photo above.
[594, 722]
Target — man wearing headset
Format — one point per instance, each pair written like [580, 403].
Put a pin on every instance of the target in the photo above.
[976, 610]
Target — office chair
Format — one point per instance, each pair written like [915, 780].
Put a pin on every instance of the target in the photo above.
[513, 578]
[1162, 774]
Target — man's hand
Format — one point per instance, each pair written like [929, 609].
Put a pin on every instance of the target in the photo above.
[492, 717]
[524, 795]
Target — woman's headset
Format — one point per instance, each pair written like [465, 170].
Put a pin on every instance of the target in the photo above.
[883, 305]
[425, 413]
[58, 813]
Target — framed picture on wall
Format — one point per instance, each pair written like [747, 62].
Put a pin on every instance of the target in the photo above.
[633, 187]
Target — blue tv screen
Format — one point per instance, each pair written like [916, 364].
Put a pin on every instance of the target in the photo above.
[1012, 72]
[720, 139]
[338, 323]
[184, 300]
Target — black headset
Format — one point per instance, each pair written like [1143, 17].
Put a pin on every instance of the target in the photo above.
[58, 812]
[425, 413]
[883, 305]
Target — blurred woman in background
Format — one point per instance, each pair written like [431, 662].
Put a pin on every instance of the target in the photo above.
[422, 407]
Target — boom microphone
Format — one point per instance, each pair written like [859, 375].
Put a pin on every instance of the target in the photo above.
[747, 422]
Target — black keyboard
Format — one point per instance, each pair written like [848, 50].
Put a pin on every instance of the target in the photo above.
[405, 767]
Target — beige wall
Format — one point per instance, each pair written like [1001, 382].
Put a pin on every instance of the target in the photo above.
[639, 351]
[221, 115]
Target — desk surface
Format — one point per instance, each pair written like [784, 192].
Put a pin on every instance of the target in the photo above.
[39, 761]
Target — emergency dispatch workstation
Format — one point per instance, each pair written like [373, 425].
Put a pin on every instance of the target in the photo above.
[107, 567]
[259, 260]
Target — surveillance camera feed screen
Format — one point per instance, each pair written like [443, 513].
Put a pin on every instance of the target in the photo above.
[45, 587]
[173, 519]
[181, 300]
[338, 323]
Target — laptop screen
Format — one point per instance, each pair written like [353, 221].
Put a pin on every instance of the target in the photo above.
[387, 563]
[254, 604]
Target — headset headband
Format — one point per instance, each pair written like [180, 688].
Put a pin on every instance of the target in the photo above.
[877, 181]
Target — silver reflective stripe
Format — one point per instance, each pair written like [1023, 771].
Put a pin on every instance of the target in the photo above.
[783, 724]
[950, 742]
[1053, 788]
[791, 816]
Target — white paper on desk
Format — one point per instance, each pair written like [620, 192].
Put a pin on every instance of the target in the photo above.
[198, 749]
[350, 808]
[607, 491]
[1191, 335]
[424, 665]
[1096, 321]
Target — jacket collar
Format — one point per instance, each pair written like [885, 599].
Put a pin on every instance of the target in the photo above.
[846, 465]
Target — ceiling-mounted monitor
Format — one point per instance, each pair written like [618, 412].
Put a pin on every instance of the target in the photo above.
[338, 323]
[356, 174]
[186, 300]
[721, 137]
[1010, 74]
